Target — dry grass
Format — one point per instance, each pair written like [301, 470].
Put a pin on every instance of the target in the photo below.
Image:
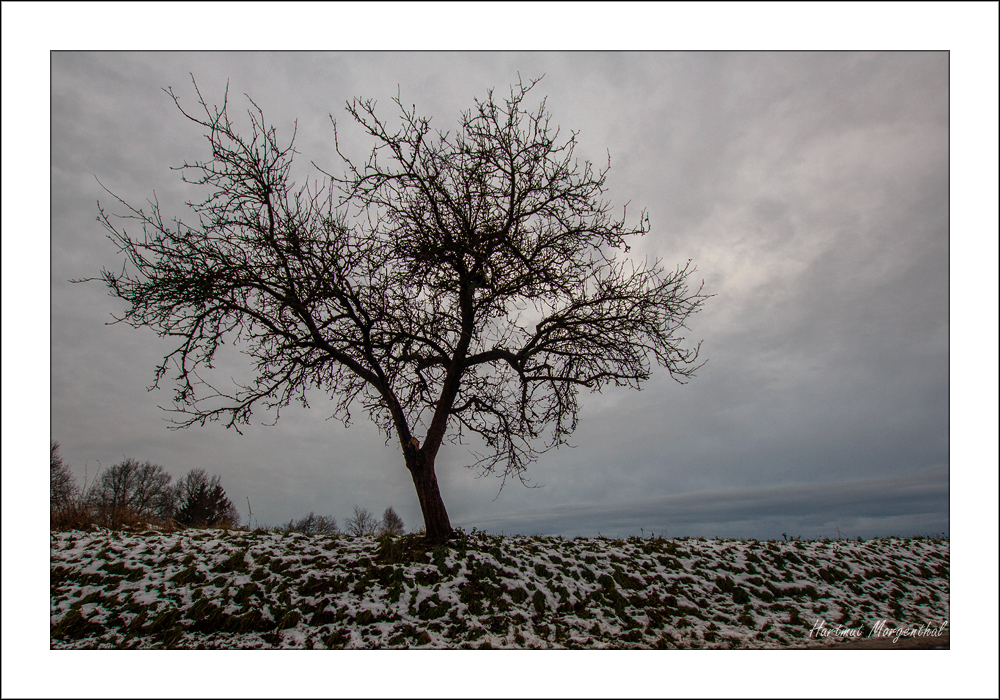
[79, 515]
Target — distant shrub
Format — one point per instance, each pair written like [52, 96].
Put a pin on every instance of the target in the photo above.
[362, 523]
[202, 502]
[134, 494]
[67, 509]
[313, 524]
[131, 493]
[62, 485]
[391, 523]
[73, 515]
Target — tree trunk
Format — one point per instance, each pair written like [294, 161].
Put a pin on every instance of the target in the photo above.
[436, 522]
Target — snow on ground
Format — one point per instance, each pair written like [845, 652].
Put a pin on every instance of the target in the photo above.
[212, 589]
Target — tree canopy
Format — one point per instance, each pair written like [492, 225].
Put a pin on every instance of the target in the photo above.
[451, 284]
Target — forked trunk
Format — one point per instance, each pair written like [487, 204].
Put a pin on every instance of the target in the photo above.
[436, 522]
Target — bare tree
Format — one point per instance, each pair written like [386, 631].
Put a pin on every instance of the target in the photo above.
[62, 485]
[362, 523]
[451, 284]
[130, 490]
[391, 523]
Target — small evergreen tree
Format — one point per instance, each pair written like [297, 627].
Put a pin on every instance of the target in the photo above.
[202, 501]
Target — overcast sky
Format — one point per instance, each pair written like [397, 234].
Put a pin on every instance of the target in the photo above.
[809, 189]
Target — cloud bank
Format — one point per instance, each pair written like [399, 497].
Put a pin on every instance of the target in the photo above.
[865, 508]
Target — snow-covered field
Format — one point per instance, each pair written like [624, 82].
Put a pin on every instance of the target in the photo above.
[243, 590]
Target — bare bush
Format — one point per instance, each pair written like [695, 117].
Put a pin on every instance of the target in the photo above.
[313, 524]
[62, 485]
[362, 523]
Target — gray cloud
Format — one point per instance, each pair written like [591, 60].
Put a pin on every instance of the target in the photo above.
[810, 189]
[866, 508]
